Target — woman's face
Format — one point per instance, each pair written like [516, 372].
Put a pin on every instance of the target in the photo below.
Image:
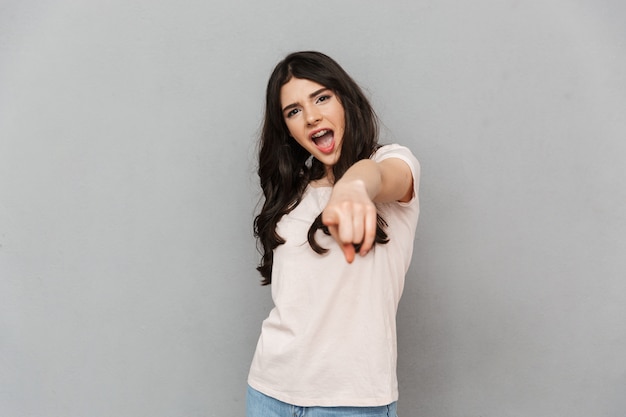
[315, 118]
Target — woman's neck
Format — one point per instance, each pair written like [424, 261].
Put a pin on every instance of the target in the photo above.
[322, 182]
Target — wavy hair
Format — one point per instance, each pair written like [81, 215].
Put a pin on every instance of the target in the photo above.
[284, 169]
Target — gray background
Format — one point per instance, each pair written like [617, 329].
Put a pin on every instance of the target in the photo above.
[128, 188]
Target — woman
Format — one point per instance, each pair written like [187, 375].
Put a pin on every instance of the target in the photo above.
[336, 231]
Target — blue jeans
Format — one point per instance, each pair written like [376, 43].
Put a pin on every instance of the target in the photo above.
[260, 405]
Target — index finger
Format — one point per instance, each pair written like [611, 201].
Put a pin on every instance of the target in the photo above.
[347, 248]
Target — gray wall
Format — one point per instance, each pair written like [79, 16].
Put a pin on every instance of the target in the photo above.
[127, 191]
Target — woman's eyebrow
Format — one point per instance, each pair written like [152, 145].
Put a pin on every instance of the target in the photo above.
[312, 95]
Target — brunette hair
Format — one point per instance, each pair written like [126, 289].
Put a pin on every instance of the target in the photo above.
[283, 169]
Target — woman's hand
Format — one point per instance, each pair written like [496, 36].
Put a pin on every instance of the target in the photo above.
[350, 216]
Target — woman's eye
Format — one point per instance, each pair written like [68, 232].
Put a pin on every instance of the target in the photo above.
[292, 112]
[323, 98]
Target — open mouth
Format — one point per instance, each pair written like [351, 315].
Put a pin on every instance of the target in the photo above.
[324, 140]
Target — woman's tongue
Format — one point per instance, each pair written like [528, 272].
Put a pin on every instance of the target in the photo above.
[325, 142]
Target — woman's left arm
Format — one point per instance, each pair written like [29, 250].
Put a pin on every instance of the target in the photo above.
[350, 214]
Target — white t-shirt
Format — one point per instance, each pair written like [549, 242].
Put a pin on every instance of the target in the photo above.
[330, 340]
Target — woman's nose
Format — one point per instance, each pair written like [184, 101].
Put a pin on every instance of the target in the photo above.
[313, 116]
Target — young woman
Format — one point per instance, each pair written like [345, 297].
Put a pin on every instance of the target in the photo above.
[336, 232]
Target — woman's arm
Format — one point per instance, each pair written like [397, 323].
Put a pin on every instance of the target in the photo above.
[350, 214]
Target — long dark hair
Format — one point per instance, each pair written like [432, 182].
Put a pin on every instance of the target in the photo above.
[283, 169]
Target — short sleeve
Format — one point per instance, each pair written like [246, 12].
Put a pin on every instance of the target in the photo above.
[405, 154]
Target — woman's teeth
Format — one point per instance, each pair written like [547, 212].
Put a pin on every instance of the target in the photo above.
[319, 134]
[323, 138]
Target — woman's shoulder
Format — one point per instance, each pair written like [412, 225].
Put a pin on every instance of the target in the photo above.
[395, 150]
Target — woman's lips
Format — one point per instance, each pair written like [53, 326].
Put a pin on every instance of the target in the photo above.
[324, 140]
